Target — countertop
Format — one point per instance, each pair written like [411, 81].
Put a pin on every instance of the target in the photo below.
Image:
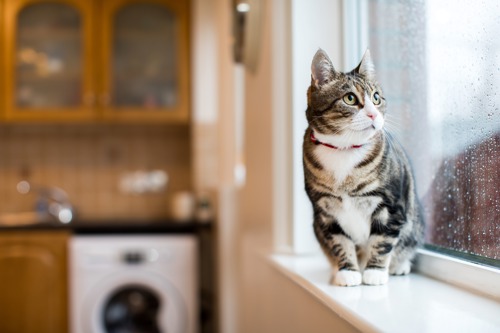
[117, 227]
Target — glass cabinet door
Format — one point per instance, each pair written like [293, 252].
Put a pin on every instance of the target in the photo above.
[49, 56]
[47, 59]
[50, 64]
[147, 59]
[144, 57]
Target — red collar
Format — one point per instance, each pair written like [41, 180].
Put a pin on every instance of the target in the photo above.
[317, 142]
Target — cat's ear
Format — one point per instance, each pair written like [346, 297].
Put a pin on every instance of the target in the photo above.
[322, 70]
[366, 66]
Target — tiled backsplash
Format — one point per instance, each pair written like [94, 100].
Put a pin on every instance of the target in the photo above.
[88, 161]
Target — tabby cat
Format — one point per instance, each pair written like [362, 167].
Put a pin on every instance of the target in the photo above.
[366, 215]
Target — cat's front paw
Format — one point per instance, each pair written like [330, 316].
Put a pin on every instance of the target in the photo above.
[375, 277]
[347, 278]
[401, 269]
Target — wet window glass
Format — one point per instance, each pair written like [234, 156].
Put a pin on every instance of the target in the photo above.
[439, 65]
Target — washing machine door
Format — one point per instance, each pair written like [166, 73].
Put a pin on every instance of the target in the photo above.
[132, 309]
[131, 302]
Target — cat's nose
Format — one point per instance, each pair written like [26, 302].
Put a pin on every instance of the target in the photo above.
[371, 115]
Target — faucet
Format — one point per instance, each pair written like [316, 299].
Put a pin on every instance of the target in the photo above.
[52, 201]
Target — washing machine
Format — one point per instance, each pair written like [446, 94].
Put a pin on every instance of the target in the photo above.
[133, 284]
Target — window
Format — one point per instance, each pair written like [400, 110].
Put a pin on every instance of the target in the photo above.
[439, 65]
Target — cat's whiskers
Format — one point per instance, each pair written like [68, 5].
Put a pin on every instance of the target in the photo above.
[393, 124]
[395, 140]
[388, 137]
[349, 138]
[391, 139]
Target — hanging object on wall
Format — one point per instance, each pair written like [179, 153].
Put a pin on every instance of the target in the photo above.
[247, 21]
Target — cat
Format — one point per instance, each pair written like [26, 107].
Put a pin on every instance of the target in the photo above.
[367, 218]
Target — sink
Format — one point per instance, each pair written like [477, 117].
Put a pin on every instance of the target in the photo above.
[52, 205]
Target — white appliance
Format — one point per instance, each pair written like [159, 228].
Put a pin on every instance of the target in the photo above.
[133, 284]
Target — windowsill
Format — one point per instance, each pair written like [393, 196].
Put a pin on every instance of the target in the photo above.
[414, 303]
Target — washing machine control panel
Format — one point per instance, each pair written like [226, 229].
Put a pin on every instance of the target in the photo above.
[126, 256]
[133, 257]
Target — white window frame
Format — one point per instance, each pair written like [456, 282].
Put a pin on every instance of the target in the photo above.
[293, 33]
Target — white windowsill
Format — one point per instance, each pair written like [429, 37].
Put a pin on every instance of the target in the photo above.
[414, 303]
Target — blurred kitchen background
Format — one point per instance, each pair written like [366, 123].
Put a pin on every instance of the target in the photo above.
[129, 165]
[113, 155]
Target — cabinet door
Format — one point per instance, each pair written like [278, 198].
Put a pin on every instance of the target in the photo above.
[2, 77]
[49, 59]
[33, 282]
[145, 57]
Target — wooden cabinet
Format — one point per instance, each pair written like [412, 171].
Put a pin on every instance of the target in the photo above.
[145, 57]
[48, 60]
[33, 282]
[83, 60]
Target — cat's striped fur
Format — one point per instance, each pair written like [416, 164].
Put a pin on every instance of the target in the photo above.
[366, 215]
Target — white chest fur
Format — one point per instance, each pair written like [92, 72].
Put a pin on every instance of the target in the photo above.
[354, 216]
[339, 162]
[354, 213]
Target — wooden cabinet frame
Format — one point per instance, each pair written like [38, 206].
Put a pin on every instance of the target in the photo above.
[83, 112]
[2, 54]
[179, 113]
[97, 29]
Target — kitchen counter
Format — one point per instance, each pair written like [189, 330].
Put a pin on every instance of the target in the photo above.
[116, 227]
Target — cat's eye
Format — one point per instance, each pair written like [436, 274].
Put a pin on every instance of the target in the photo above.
[350, 99]
[376, 99]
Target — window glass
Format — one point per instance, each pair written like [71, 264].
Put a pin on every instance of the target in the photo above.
[439, 65]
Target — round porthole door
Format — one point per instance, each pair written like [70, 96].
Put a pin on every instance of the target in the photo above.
[134, 303]
[132, 309]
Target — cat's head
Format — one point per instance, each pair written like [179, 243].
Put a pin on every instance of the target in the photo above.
[344, 109]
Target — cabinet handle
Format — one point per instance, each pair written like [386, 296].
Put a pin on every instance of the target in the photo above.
[89, 99]
[105, 99]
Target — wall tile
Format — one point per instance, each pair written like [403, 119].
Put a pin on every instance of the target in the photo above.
[87, 161]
